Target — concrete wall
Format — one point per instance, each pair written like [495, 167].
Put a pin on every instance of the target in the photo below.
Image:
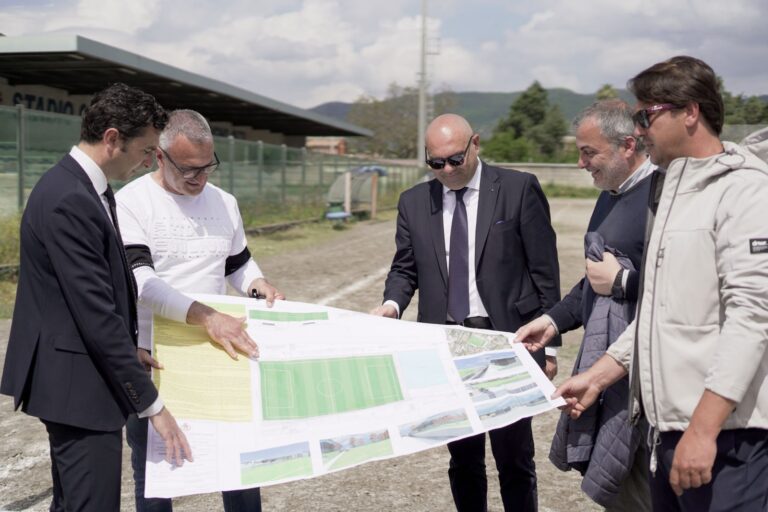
[559, 174]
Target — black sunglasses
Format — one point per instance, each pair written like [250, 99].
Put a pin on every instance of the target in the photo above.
[189, 173]
[642, 117]
[455, 160]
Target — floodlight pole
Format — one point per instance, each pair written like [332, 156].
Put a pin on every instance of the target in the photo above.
[422, 89]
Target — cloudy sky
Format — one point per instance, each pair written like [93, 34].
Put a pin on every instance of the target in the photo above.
[306, 52]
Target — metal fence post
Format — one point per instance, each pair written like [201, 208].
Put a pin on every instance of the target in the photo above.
[283, 170]
[303, 176]
[247, 167]
[231, 141]
[259, 165]
[21, 144]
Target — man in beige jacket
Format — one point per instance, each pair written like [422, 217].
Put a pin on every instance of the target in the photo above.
[696, 352]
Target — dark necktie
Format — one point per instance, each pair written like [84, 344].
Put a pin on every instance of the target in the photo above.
[458, 268]
[133, 291]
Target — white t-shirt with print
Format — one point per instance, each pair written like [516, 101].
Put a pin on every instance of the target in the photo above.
[189, 238]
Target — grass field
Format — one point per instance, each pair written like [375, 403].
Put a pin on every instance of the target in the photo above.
[302, 389]
[495, 383]
[358, 454]
[291, 468]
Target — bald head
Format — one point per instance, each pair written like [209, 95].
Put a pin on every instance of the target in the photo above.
[450, 138]
[448, 126]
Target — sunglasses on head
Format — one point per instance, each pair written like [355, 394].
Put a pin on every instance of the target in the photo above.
[454, 160]
[643, 117]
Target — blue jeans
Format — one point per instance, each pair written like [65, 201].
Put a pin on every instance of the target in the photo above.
[246, 500]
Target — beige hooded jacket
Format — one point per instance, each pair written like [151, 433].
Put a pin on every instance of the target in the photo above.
[703, 321]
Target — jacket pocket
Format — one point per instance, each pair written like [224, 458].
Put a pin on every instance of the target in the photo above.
[504, 225]
[528, 304]
[69, 344]
[688, 279]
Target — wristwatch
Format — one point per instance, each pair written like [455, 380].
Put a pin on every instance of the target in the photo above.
[617, 290]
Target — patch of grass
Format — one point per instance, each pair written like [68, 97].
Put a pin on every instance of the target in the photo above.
[7, 298]
[9, 239]
[302, 236]
[552, 190]
[256, 213]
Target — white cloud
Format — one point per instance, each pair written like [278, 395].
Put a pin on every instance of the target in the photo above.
[308, 51]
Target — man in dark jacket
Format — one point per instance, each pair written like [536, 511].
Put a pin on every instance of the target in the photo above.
[71, 358]
[478, 245]
[599, 445]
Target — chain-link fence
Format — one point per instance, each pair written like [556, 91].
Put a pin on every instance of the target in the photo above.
[265, 178]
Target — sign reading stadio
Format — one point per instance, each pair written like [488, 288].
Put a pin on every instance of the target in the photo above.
[38, 102]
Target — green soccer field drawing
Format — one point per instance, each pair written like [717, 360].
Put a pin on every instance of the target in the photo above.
[345, 451]
[286, 316]
[317, 387]
[279, 463]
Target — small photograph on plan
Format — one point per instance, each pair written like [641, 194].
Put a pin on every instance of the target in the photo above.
[345, 451]
[280, 463]
[465, 343]
[488, 366]
[498, 388]
[510, 408]
[438, 427]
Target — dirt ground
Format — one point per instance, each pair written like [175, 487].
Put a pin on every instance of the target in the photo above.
[346, 270]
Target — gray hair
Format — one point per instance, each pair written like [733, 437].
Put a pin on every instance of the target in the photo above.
[614, 119]
[190, 124]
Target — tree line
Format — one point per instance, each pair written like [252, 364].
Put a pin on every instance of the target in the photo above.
[532, 131]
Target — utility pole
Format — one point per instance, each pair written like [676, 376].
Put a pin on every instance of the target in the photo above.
[422, 88]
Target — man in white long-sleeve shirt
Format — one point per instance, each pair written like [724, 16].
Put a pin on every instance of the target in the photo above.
[185, 235]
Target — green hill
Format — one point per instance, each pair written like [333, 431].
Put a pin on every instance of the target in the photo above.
[484, 109]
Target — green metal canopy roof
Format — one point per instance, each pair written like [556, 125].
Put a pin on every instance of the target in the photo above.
[82, 66]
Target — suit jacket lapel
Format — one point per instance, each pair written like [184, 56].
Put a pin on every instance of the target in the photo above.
[489, 192]
[71, 165]
[435, 216]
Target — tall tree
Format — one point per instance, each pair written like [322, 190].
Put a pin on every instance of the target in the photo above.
[742, 109]
[607, 92]
[392, 120]
[532, 129]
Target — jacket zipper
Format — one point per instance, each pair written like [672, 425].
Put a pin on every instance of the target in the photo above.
[654, 430]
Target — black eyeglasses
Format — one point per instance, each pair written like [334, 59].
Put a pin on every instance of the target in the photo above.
[455, 160]
[189, 173]
[643, 118]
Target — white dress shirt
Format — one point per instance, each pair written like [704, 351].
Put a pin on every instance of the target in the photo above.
[471, 199]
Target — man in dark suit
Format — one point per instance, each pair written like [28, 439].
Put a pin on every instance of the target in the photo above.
[478, 245]
[71, 358]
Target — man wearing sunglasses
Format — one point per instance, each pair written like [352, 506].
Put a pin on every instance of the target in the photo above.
[478, 245]
[697, 353]
[185, 235]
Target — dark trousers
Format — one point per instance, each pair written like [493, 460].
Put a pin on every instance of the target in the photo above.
[512, 448]
[246, 500]
[739, 475]
[85, 467]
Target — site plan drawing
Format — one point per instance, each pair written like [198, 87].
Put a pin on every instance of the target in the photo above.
[331, 389]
